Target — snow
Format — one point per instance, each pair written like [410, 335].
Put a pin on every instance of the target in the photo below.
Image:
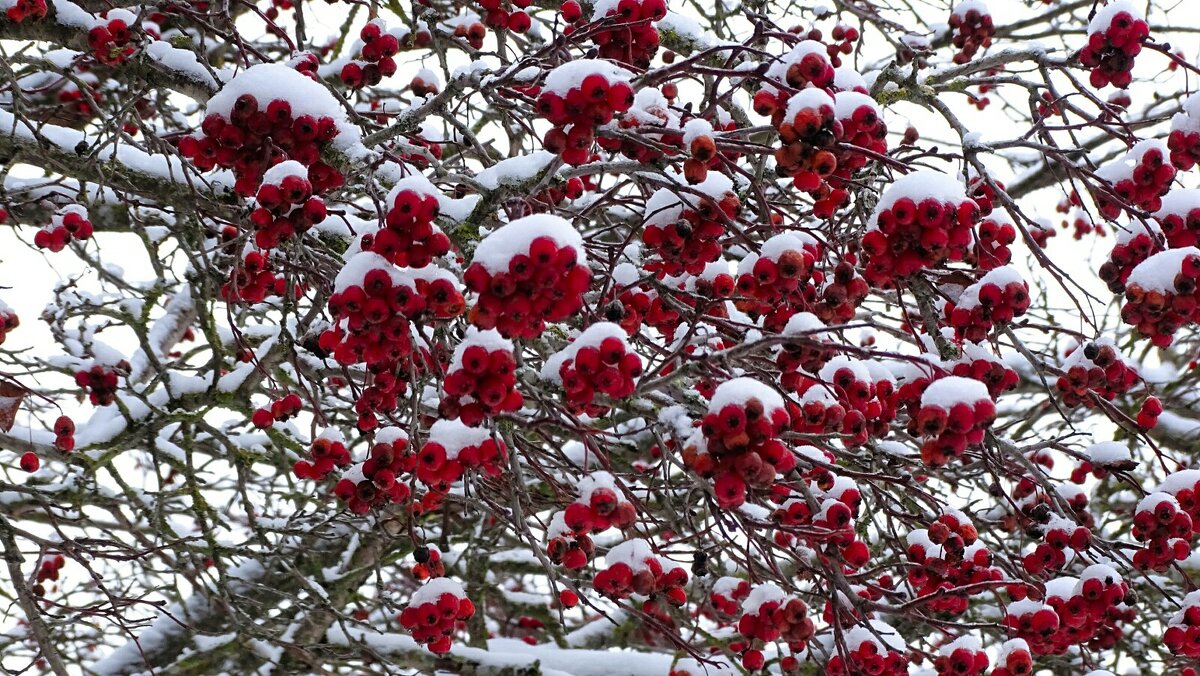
[812, 98]
[919, 185]
[952, 390]
[1127, 232]
[1123, 166]
[592, 336]
[570, 75]
[276, 174]
[1001, 277]
[1098, 571]
[632, 553]
[354, 273]
[161, 167]
[181, 61]
[666, 204]
[514, 238]
[516, 655]
[891, 639]
[741, 390]
[1104, 17]
[694, 129]
[1178, 481]
[269, 81]
[767, 592]
[390, 435]
[803, 323]
[1153, 500]
[490, 339]
[434, 589]
[1108, 453]
[968, 642]
[594, 482]
[515, 170]
[849, 80]
[685, 27]
[454, 436]
[1179, 202]
[1157, 273]
[846, 102]
[778, 70]
[961, 9]
[717, 667]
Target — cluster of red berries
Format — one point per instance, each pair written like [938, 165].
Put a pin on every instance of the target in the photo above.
[953, 415]
[435, 611]
[1179, 218]
[253, 280]
[769, 615]
[48, 570]
[286, 205]
[473, 33]
[1184, 139]
[26, 9]
[806, 65]
[1095, 369]
[867, 654]
[566, 547]
[428, 564]
[868, 402]
[68, 223]
[778, 281]
[410, 237]
[327, 452]
[249, 136]
[727, 594]
[923, 220]
[599, 361]
[112, 42]
[576, 98]
[1000, 296]
[452, 448]
[377, 52]
[1014, 659]
[528, 272]
[973, 28]
[862, 127]
[379, 479]
[739, 445]
[101, 382]
[683, 231]
[978, 364]
[280, 410]
[963, 656]
[1182, 636]
[1164, 528]
[807, 352]
[9, 321]
[633, 568]
[1115, 37]
[1135, 243]
[657, 128]
[482, 380]
[497, 16]
[699, 144]
[1139, 179]
[947, 556]
[1162, 295]
[830, 527]
[1149, 413]
[1059, 534]
[64, 434]
[994, 235]
[1087, 611]
[599, 506]
[627, 33]
[809, 132]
